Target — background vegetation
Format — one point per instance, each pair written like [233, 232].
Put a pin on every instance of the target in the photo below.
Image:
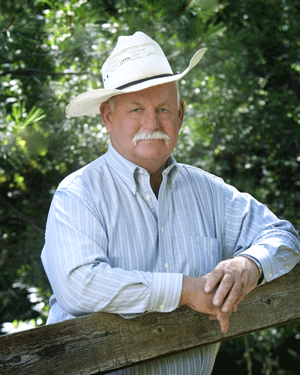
[242, 123]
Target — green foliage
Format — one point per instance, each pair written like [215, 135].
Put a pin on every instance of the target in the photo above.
[273, 351]
[242, 121]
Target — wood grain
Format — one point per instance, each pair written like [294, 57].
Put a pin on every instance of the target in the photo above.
[100, 343]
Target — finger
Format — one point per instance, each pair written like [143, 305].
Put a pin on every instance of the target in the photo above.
[235, 295]
[223, 319]
[223, 290]
[224, 322]
[240, 298]
[214, 277]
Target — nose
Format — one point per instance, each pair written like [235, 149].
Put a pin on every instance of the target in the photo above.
[151, 121]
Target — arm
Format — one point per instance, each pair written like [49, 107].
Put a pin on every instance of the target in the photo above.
[77, 262]
[256, 236]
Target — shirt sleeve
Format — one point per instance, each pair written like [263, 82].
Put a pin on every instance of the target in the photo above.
[77, 264]
[252, 230]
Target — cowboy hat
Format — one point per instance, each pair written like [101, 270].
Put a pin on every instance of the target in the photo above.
[136, 63]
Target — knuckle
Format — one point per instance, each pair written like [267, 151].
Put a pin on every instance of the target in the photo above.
[216, 272]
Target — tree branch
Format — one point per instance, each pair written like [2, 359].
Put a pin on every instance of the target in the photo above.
[12, 22]
[29, 72]
[21, 215]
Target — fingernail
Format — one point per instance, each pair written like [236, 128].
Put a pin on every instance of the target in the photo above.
[225, 309]
[216, 302]
[207, 290]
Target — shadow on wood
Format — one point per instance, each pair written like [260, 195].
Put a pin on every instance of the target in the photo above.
[101, 342]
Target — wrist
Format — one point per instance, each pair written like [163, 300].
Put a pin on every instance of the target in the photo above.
[192, 287]
[261, 274]
[185, 292]
[259, 268]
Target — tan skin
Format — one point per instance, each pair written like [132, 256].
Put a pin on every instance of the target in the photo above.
[157, 109]
[149, 110]
[222, 289]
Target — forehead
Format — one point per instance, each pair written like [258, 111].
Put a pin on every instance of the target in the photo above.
[166, 93]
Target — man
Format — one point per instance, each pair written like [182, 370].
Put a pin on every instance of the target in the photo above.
[135, 232]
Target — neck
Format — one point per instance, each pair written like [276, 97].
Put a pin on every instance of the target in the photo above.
[155, 182]
[156, 179]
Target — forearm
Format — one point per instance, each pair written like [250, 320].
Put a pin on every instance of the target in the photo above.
[79, 264]
[253, 230]
[114, 290]
[277, 253]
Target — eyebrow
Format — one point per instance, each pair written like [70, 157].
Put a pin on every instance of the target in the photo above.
[135, 103]
[167, 102]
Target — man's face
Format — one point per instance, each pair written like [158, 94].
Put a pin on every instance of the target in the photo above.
[147, 111]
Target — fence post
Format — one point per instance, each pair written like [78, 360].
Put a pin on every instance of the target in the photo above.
[102, 342]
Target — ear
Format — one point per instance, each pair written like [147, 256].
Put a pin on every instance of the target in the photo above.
[106, 114]
[181, 111]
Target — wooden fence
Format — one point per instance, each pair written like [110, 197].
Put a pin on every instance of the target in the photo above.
[100, 343]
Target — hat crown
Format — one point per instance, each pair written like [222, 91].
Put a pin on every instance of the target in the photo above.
[135, 58]
[136, 63]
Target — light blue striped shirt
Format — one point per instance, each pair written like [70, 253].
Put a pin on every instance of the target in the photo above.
[112, 246]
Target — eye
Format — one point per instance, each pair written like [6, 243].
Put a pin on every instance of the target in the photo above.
[136, 110]
[163, 110]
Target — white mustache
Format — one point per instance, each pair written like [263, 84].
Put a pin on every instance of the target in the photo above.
[147, 136]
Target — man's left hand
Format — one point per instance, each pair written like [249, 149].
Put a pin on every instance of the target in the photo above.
[233, 279]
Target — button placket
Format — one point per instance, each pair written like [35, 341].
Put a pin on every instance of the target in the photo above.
[164, 231]
[145, 190]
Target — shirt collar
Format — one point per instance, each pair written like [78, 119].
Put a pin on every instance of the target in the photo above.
[128, 170]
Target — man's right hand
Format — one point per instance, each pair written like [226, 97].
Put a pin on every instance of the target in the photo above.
[194, 296]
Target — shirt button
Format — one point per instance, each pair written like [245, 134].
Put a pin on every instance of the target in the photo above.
[270, 275]
[162, 230]
[162, 307]
[148, 197]
[167, 265]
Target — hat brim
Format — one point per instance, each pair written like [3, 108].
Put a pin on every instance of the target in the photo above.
[88, 103]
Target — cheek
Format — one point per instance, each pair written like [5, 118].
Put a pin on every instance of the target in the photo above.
[128, 130]
[172, 130]
[123, 134]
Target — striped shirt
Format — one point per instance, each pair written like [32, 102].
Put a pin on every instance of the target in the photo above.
[111, 245]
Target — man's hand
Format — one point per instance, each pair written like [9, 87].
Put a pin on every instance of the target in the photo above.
[232, 279]
[193, 295]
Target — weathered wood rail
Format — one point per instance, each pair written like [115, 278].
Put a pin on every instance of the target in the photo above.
[100, 343]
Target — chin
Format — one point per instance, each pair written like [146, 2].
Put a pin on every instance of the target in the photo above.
[160, 148]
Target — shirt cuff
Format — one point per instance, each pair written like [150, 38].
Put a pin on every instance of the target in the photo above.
[259, 254]
[166, 291]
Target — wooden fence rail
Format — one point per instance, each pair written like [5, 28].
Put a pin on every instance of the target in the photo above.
[100, 343]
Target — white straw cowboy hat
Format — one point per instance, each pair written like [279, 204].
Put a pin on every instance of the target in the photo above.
[136, 63]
